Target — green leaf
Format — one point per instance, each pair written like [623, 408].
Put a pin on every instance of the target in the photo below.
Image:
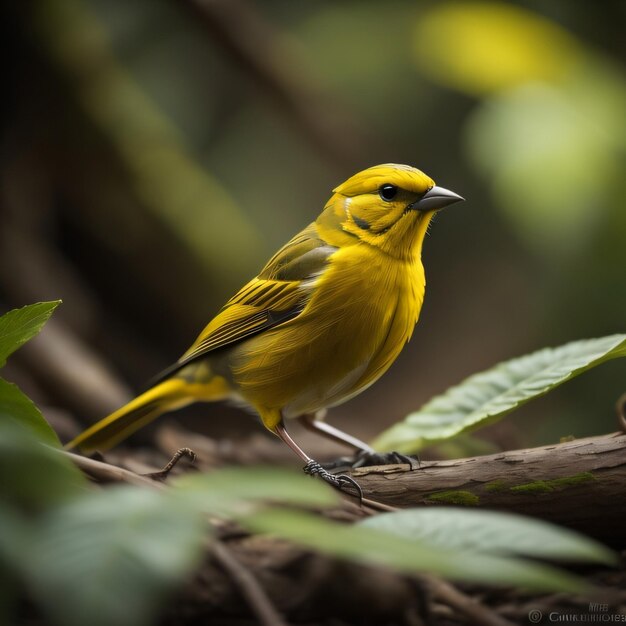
[15, 406]
[491, 532]
[36, 476]
[373, 546]
[13, 542]
[16, 328]
[535, 131]
[111, 557]
[237, 489]
[486, 397]
[20, 325]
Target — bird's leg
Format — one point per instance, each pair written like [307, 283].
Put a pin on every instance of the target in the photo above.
[313, 468]
[315, 423]
[365, 456]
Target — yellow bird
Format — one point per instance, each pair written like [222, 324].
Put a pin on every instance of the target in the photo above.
[323, 320]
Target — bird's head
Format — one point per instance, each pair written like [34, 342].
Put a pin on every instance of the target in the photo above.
[387, 206]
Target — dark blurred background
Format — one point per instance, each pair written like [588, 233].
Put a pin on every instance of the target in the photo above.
[155, 153]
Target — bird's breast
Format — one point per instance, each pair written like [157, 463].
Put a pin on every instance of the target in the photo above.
[360, 312]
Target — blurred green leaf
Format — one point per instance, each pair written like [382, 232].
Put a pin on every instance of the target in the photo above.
[36, 476]
[14, 542]
[20, 325]
[463, 445]
[486, 397]
[14, 405]
[550, 133]
[15, 536]
[552, 160]
[241, 489]
[373, 546]
[491, 532]
[368, 73]
[110, 557]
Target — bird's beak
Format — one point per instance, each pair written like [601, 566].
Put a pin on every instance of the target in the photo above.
[436, 198]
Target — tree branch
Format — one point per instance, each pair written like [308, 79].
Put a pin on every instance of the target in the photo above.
[579, 484]
[249, 587]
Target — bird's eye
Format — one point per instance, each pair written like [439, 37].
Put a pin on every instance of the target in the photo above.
[387, 192]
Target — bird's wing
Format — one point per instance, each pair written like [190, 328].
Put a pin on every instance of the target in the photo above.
[278, 294]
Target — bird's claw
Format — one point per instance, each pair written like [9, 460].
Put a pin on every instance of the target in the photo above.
[341, 481]
[161, 475]
[367, 458]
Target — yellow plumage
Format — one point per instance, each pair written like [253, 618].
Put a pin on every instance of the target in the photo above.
[323, 320]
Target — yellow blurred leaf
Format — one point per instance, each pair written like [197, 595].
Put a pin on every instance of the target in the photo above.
[481, 47]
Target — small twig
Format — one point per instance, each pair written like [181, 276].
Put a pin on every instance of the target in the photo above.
[379, 506]
[471, 608]
[106, 472]
[178, 455]
[367, 505]
[248, 586]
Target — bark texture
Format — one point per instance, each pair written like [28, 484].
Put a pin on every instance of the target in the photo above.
[580, 484]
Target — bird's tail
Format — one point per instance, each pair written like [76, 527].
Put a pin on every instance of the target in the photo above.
[168, 395]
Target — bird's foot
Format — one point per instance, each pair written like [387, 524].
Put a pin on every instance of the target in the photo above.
[366, 458]
[161, 475]
[341, 481]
